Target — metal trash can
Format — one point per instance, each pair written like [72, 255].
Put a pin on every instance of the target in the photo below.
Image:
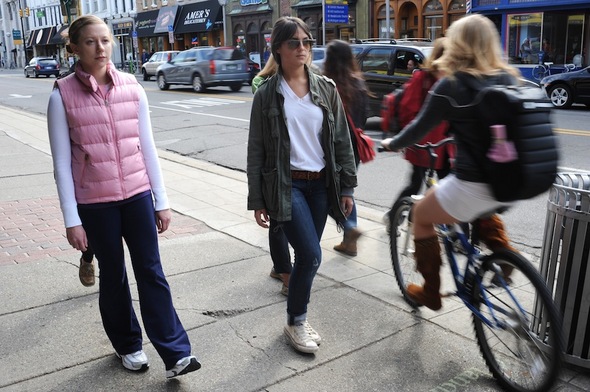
[565, 258]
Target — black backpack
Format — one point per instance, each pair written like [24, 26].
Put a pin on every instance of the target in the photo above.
[525, 112]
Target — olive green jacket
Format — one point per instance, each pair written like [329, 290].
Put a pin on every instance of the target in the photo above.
[269, 147]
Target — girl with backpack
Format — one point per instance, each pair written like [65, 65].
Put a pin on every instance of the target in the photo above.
[472, 50]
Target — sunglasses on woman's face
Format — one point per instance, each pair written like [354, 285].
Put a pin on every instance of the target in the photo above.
[295, 43]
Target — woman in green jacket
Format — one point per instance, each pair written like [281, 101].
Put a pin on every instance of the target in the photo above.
[300, 164]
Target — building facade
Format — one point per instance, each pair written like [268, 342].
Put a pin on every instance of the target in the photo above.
[530, 30]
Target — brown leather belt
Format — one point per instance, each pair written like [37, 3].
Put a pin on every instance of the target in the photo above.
[307, 175]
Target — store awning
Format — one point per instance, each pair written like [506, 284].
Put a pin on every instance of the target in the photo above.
[146, 22]
[32, 38]
[57, 39]
[166, 18]
[199, 17]
[41, 36]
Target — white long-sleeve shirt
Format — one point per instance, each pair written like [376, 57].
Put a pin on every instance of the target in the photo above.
[59, 140]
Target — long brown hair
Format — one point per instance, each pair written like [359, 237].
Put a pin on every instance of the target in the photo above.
[341, 66]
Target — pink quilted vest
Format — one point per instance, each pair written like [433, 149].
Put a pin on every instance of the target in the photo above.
[107, 162]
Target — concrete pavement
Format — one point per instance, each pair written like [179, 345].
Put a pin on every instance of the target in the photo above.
[217, 262]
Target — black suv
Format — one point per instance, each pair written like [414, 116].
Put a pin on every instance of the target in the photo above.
[384, 65]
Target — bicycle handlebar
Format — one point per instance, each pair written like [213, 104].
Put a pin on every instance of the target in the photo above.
[427, 146]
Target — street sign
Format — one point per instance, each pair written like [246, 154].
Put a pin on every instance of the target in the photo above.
[171, 34]
[336, 12]
[17, 37]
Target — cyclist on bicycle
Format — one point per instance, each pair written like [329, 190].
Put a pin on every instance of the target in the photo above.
[472, 50]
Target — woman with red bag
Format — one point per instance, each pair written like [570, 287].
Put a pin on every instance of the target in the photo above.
[342, 68]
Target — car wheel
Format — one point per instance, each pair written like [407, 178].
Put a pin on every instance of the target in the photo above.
[26, 74]
[146, 77]
[561, 96]
[198, 84]
[236, 87]
[36, 75]
[162, 85]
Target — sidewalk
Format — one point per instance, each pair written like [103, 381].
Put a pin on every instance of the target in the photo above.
[217, 262]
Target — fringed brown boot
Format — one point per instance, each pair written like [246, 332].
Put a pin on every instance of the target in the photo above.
[428, 262]
[348, 244]
[491, 232]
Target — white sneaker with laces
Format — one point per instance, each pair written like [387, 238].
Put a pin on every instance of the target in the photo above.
[300, 338]
[312, 333]
[183, 366]
[136, 361]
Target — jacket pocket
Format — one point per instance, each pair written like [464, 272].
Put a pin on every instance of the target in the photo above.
[270, 191]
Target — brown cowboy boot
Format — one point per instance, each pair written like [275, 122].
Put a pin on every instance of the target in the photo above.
[348, 244]
[428, 262]
[491, 232]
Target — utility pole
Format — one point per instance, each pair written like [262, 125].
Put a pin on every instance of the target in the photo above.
[21, 12]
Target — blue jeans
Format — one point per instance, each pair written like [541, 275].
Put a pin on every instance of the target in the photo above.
[134, 221]
[279, 248]
[304, 231]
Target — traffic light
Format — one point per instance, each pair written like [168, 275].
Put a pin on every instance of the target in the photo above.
[27, 11]
[20, 12]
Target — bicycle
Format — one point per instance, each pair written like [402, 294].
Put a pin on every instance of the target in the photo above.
[517, 325]
[542, 70]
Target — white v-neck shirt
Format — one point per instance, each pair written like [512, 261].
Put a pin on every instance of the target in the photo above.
[304, 123]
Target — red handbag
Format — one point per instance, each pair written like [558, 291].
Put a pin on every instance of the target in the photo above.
[364, 144]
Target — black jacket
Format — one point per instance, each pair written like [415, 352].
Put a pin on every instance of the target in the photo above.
[452, 99]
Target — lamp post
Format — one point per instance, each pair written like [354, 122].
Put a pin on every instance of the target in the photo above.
[222, 3]
[133, 14]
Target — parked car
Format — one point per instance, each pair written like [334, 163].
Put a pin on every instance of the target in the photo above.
[148, 69]
[205, 67]
[384, 65]
[318, 57]
[45, 66]
[567, 88]
[253, 69]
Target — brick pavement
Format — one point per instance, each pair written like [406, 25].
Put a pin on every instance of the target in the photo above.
[32, 229]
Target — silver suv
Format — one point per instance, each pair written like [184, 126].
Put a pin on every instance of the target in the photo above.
[205, 67]
[384, 65]
[149, 68]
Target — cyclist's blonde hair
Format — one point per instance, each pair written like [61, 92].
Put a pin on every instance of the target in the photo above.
[473, 46]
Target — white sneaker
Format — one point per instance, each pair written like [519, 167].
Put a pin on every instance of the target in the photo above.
[183, 366]
[136, 361]
[312, 333]
[300, 338]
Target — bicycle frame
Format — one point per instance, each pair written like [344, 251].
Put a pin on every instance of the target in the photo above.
[471, 267]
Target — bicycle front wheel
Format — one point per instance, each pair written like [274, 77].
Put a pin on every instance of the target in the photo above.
[522, 345]
[401, 246]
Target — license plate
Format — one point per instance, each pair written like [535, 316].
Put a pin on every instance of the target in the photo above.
[232, 66]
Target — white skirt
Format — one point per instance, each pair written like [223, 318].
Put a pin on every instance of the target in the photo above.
[465, 201]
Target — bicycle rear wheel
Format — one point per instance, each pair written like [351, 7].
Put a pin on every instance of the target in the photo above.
[401, 246]
[523, 347]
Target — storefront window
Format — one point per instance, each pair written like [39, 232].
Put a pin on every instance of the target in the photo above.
[433, 20]
[524, 37]
[432, 27]
[382, 23]
[548, 37]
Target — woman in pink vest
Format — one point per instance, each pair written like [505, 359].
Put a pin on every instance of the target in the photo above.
[107, 171]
